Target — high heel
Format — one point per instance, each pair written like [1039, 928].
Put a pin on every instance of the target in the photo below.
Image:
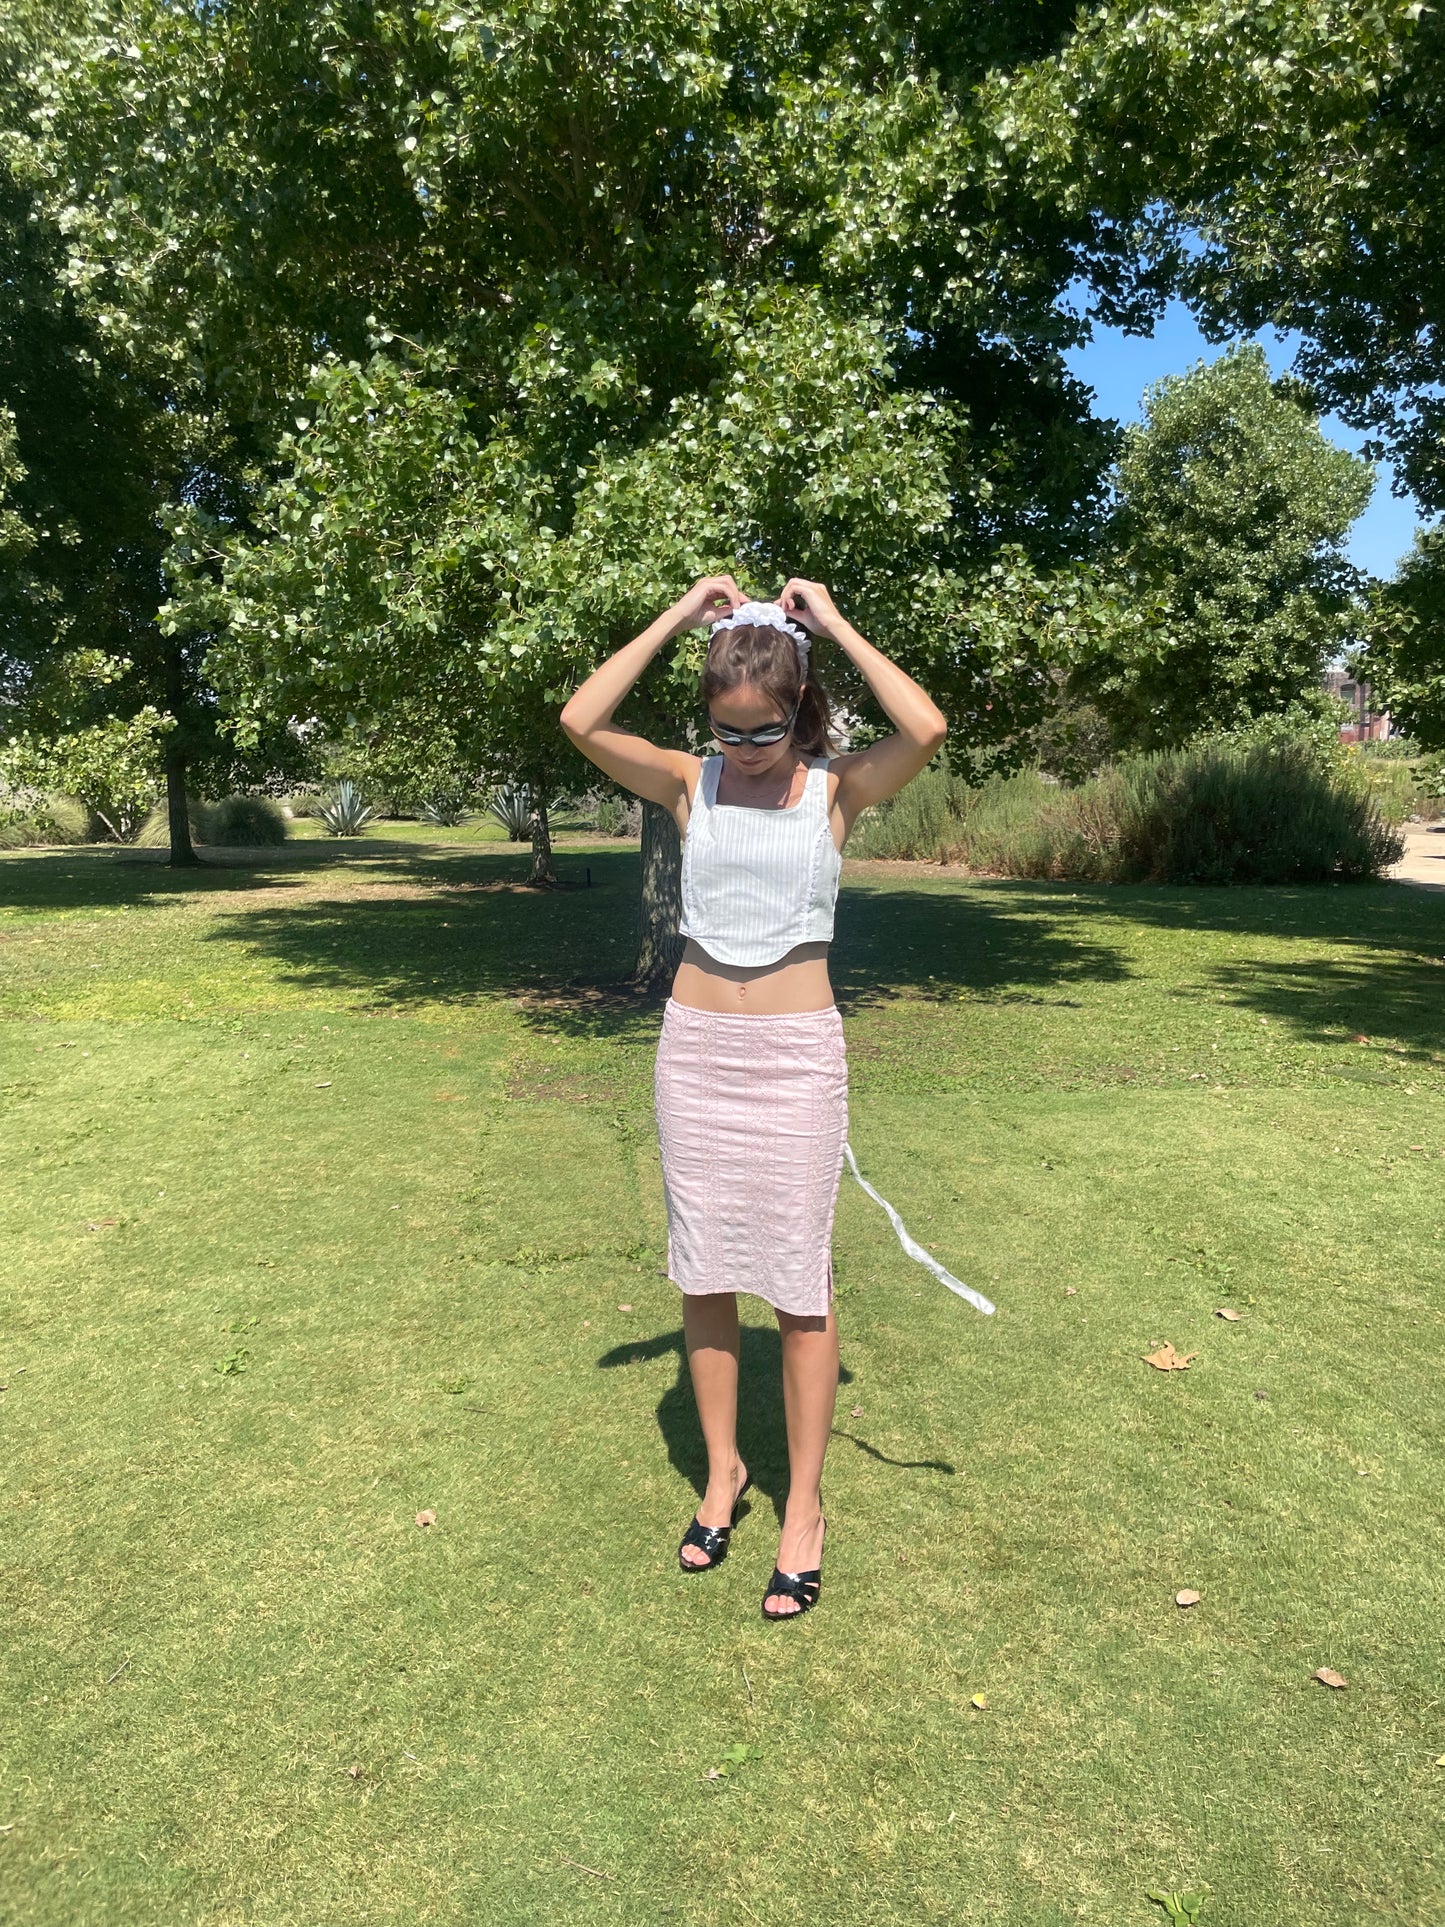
[802, 1586]
[713, 1540]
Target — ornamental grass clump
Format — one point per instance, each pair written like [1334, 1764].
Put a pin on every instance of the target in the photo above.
[30, 819]
[236, 822]
[155, 832]
[445, 808]
[244, 822]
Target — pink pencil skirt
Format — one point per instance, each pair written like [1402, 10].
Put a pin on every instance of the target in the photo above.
[752, 1114]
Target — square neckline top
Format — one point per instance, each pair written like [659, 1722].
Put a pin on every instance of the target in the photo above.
[757, 881]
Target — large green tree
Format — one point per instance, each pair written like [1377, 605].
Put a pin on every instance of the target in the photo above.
[96, 440]
[1276, 165]
[539, 310]
[1233, 508]
[1405, 658]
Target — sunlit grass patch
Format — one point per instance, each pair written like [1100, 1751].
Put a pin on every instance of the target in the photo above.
[330, 1199]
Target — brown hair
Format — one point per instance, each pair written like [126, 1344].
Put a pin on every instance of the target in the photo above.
[767, 658]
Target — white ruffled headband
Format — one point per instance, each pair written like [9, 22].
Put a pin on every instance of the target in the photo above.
[768, 615]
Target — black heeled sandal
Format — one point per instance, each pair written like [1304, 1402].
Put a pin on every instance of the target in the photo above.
[713, 1540]
[802, 1586]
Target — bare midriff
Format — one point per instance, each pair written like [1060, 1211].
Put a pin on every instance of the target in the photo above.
[795, 983]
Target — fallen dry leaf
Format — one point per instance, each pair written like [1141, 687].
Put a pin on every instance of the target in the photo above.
[1327, 1676]
[980, 1700]
[856, 1412]
[1359, 1040]
[426, 1518]
[1186, 1598]
[1071, 1291]
[624, 1307]
[1166, 1359]
[1233, 1316]
[354, 1772]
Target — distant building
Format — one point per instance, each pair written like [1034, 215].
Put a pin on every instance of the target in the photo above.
[1369, 725]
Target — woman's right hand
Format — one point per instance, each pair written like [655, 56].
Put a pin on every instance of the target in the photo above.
[710, 597]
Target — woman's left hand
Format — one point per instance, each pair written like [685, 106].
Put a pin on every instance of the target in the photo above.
[812, 605]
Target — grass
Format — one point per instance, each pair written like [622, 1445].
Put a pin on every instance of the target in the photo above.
[330, 1195]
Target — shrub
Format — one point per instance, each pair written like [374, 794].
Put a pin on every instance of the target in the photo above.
[113, 768]
[610, 813]
[1251, 814]
[1403, 786]
[1218, 812]
[244, 822]
[918, 822]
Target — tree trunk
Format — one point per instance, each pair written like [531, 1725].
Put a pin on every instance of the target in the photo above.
[541, 871]
[183, 854]
[659, 947]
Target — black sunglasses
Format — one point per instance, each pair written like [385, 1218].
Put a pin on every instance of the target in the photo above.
[759, 738]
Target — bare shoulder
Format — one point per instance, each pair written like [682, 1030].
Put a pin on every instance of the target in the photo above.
[838, 772]
[692, 771]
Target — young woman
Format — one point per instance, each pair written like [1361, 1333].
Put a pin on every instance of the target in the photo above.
[751, 1080]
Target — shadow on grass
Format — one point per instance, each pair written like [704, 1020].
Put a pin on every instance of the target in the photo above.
[762, 1433]
[412, 923]
[418, 924]
[1388, 983]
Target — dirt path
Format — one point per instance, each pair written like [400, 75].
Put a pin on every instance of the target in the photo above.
[1424, 858]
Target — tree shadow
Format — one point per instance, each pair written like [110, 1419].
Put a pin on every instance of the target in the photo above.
[120, 875]
[1377, 968]
[452, 927]
[762, 1433]
[930, 944]
[420, 923]
[95, 875]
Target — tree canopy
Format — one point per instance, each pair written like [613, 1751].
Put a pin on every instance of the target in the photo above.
[1232, 508]
[1277, 165]
[425, 353]
[544, 310]
[1405, 659]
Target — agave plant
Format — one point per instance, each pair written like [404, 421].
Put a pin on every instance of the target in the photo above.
[444, 808]
[346, 812]
[512, 807]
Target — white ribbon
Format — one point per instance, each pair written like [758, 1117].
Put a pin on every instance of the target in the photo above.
[913, 1248]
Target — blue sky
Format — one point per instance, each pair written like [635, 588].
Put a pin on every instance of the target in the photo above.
[1119, 367]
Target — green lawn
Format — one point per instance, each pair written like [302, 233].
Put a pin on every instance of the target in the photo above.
[371, 1123]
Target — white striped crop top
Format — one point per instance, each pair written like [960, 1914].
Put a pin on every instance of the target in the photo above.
[757, 882]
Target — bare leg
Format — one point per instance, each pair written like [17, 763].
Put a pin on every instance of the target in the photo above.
[810, 1390]
[710, 1327]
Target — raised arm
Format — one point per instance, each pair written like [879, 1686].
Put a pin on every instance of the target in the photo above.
[870, 775]
[640, 766]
